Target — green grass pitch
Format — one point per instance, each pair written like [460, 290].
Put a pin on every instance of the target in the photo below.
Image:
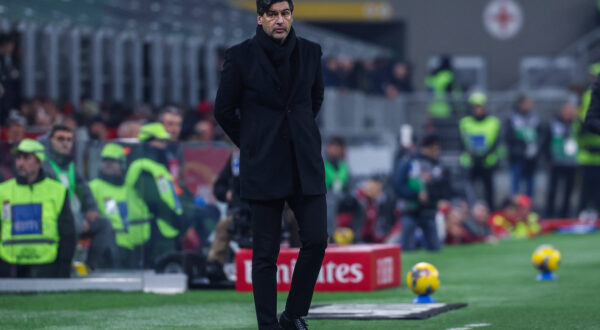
[497, 281]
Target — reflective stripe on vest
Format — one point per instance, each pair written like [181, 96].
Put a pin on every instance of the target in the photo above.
[30, 221]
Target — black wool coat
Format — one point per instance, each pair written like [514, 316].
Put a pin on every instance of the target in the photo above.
[277, 135]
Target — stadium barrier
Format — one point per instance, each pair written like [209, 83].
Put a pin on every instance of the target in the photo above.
[344, 268]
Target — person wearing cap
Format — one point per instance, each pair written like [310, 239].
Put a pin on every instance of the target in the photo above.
[155, 209]
[59, 165]
[587, 127]
[480, 137]
[561, 149]
[423, 183]
[524, 139]
[110, 193]
[37, 231]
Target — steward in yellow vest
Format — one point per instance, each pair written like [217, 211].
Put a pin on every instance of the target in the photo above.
[154, 207]
[480, 137]
[37, 228]
[110, 192]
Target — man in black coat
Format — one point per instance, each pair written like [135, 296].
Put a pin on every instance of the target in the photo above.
[271, 90]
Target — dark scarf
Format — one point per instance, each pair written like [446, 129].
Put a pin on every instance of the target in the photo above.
[281, 56]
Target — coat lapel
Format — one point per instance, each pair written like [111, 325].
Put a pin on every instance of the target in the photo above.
[265, 63]
[299, 72]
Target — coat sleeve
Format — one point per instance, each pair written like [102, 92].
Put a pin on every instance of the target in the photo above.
[318, 91]
[229, 99]
[592, 118]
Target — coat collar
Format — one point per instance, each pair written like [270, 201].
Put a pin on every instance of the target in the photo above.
[268, 66]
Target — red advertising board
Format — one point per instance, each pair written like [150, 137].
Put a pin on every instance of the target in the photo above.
[345, 268]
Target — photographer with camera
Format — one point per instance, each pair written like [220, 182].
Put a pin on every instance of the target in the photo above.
[236, 225]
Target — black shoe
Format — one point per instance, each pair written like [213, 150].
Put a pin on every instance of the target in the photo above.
[292, 324]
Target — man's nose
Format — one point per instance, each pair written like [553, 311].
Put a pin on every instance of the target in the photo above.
[279, 19]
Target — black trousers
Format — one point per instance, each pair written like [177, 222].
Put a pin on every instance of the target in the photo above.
[564, 175]
[486, 177]
[311, 215]
[590, 181]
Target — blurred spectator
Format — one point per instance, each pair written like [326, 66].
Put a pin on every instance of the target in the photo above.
[524, 139]
[503, 221]
[156, 196]
[442, 83]
[129, 130]
[237, 222]
[516, 219]
[10, 77]
[331, 77]
[456, 232]
[346, 73]
[15, 132]
[376, 213]
[480, 137]
[204, 131]
[528, 221]
[400, 81]
[59, 165]
[172, 118]
[422, 182]
[97, 129]
[110, 193]
[42, 239]
[15, 127]
[477, 223]
[336, 177]
[561, 148]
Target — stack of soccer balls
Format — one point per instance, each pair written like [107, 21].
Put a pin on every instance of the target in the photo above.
[423, 279]
[546, 258]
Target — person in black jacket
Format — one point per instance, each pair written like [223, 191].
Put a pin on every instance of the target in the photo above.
[227, 190]
[270, 92]
[422, 182]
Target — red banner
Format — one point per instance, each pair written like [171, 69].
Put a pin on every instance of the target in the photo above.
[345, 268]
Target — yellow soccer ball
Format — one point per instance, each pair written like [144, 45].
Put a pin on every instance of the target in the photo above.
[343, 236]
[546, 258]
[423, 279]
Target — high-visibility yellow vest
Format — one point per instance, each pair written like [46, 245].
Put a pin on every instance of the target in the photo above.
[139, 211]
[478, 137]
[112, 204]
[30, 221]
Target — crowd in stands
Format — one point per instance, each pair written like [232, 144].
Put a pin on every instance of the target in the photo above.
[380, 76]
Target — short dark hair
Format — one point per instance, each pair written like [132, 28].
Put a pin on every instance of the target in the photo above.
[263, 5]
[430, 139]
[60, 127]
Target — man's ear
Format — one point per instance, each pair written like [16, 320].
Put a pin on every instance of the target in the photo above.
[259, 19]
